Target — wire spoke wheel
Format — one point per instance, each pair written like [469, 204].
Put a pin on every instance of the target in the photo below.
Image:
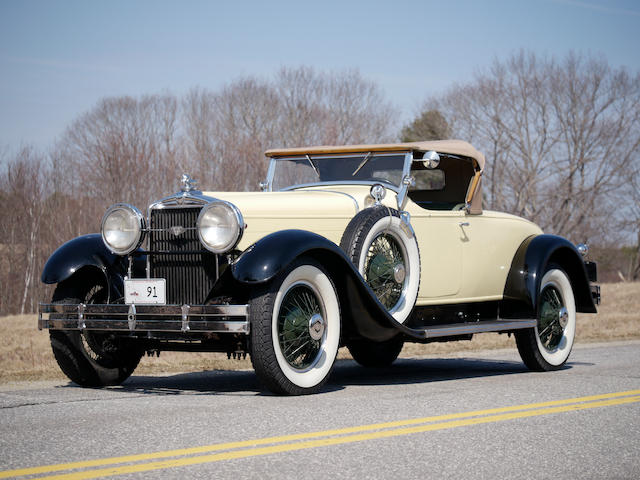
[295, 329]
[548, 345]
[385, 269]
[100, 347]
[552, 319]
[91, 358]
[300, 307]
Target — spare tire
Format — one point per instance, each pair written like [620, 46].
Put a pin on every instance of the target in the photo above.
[385, 252]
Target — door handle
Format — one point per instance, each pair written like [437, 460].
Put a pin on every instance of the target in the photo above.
[463, 224]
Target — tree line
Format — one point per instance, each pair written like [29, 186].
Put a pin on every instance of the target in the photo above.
[562, 139]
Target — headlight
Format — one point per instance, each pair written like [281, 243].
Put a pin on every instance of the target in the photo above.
[122, 227]
[220, 226]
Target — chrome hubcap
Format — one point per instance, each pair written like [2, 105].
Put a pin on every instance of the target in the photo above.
[563, 315]
[554, 318]
[316, 326]
[399, 273]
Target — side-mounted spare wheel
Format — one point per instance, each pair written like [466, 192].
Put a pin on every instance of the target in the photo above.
[386, 254]
[548, 345]
[295, 329]
[91, 359]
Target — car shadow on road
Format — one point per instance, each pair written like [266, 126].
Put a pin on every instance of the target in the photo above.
[347, 373]
[413, 370]
[209, 382]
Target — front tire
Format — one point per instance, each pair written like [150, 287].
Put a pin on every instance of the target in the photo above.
[295, 329]
[547, 346]
[90, 359]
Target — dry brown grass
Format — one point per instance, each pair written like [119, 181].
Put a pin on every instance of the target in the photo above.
[25, 353]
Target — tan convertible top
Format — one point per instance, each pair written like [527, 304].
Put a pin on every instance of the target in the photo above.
[454, 147]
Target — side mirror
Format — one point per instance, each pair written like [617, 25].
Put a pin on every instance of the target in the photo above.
[431, 159]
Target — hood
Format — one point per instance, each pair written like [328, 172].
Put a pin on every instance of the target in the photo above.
[326, 213]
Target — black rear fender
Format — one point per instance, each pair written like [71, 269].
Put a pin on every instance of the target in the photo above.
[362, 313]
[529, 265]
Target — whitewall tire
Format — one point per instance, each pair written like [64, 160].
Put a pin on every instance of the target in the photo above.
[295, 329]
[549, 344]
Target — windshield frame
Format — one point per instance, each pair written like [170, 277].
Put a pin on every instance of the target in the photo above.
[408, 158]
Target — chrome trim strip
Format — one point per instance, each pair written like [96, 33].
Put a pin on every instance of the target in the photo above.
[303, 156]
[404, 187]
[150, 310]
[185, 318]
[143, 318]
[478, 327]
[388, 185]
[81, 309]
[355, 202]
[270, 173]
[131, 317]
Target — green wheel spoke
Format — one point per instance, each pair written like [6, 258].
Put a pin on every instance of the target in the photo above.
[550, 331]
[298, 306]
[383, 256]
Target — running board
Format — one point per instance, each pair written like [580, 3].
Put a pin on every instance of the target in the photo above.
[454, 329]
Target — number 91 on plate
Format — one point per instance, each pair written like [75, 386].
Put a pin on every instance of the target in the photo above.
[145, 291]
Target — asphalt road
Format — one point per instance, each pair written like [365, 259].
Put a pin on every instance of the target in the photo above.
[482, 416]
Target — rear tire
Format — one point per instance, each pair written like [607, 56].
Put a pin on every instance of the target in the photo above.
[375, 354]
[90, 359]
[548, 346]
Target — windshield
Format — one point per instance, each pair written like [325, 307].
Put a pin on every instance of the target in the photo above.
[291, 172]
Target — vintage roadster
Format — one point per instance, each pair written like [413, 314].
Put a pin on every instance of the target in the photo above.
[364, 246]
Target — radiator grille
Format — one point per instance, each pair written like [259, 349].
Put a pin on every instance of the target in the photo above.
[189, 269]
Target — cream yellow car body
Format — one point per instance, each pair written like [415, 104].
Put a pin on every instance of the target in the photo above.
[464, 258]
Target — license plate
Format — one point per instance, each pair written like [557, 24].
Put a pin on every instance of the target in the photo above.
[147, 291]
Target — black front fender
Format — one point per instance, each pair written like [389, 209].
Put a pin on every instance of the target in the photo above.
[528, 267]
[80, 253]
[360, 309]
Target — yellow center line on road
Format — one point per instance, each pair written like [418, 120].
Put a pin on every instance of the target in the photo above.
[303, 440]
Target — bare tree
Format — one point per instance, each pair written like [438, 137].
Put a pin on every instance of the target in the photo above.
[357, 111]
[23, 188]
[228, 131]
[124, 149]
[561, 136]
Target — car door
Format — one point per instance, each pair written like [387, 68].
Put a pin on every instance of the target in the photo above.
[440, 239]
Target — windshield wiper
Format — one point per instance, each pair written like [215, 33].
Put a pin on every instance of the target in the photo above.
[313, 165]
[362, 164]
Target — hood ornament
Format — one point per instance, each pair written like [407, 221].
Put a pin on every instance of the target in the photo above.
[187, 183]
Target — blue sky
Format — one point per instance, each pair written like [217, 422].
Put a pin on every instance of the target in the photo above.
[58, 58]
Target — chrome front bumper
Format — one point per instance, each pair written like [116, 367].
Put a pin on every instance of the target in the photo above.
[145, 318]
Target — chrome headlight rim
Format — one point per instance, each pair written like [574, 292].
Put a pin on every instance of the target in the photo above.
[140, 222]
[239, 226]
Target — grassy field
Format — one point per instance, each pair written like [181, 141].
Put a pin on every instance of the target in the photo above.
[25, 353]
